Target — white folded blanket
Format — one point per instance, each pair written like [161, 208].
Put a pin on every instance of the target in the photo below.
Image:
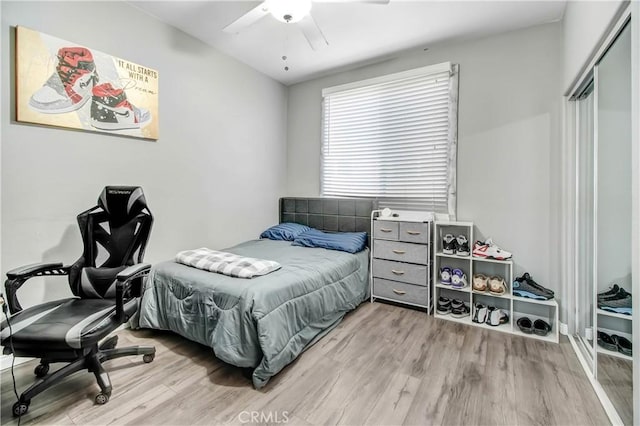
[226, 263]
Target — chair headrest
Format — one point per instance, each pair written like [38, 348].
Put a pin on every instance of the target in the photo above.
[122, 202]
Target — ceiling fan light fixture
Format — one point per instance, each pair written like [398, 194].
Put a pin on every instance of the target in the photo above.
[289, 11]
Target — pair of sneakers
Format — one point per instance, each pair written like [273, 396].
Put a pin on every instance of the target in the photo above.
[455, 277]
[615, 343]
[455, 245]
[616, 299]
[456, 307]
[490, 315]
[74, 82]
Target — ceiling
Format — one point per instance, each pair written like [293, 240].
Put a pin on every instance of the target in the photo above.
[357, 32]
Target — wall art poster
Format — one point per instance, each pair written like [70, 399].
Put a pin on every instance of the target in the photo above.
[64, 84]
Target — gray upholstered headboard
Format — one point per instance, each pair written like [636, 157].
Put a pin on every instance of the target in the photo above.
[329, 214]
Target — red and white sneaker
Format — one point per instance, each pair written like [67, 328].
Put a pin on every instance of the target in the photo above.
[69, 87]
[488, 249]
[110, 110]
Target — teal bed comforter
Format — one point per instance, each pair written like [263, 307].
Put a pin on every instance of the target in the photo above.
[262, 323]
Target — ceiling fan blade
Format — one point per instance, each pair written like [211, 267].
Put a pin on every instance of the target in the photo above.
[313, 33]
[249, 18]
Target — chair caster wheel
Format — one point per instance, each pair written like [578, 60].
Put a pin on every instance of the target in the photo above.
[20, 408]
[41, 370]
[101, 398]
[148, 358]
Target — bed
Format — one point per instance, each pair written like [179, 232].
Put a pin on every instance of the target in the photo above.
[264, 323]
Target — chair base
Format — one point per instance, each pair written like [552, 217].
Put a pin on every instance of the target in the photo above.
[91, 360]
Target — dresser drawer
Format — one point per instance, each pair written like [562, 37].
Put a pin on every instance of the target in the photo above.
[403, 252]
[414, 232]
[385, 229]
[400, 292]
[399, 271]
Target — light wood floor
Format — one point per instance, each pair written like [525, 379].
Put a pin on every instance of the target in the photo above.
[383, 365]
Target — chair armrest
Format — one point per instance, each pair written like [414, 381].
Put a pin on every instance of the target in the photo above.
[17, 277]
[33, 269]
[132, 271]
[124, 284]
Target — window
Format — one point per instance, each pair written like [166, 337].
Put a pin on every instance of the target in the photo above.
[393, 138]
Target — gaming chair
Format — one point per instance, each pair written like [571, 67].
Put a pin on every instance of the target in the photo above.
[106, 281]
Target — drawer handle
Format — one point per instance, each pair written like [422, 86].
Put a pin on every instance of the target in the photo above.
[414, 232]
[397, 272]
[399, 291]
[399, 251]
[386, 229]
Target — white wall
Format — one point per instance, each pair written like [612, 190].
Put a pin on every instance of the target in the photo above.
[585, 25]
[212, 179]
[509, 133]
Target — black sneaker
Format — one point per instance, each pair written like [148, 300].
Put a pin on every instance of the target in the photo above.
[449, 244]
[459, 309]
[612, 291]
[525, 286]
[620, 303]
[623, 344]
[444, 305]
[606, 341]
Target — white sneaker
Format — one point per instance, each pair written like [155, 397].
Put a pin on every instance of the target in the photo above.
[458, 278]
[496, 317]
[488, 249]
[479, 313]
[462, 246]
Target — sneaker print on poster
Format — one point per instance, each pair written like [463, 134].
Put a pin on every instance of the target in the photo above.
[64, 84]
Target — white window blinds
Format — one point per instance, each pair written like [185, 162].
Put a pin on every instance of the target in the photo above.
[393, 138]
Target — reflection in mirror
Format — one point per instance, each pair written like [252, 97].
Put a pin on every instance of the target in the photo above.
[613, 229]
[585, 225]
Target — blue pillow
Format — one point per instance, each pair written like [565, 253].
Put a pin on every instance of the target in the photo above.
[286, 231]
[351, 242]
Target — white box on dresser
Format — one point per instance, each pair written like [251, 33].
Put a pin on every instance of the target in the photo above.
[401, 257]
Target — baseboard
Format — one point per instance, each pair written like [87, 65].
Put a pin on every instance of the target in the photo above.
[5, 361]
[564, 329]
[614, 417]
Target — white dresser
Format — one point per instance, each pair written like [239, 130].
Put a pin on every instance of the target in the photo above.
[401, 253]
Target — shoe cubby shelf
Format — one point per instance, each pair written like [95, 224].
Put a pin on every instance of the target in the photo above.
[616, 354]
[448, 287]
[551, 302]
[474, 258]
[614, 315]
[611, 332]
[516, 307]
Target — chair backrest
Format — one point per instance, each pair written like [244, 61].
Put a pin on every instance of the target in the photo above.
[114, 235]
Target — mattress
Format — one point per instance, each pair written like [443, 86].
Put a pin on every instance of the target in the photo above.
[262, 323]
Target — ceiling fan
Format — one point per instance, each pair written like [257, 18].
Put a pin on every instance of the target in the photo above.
[290, 12]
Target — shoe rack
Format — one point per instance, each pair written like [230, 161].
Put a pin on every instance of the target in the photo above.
[516, 307]
[613, 324]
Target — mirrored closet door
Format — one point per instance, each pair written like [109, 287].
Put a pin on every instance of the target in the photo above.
[613, 224]
[603, 320]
